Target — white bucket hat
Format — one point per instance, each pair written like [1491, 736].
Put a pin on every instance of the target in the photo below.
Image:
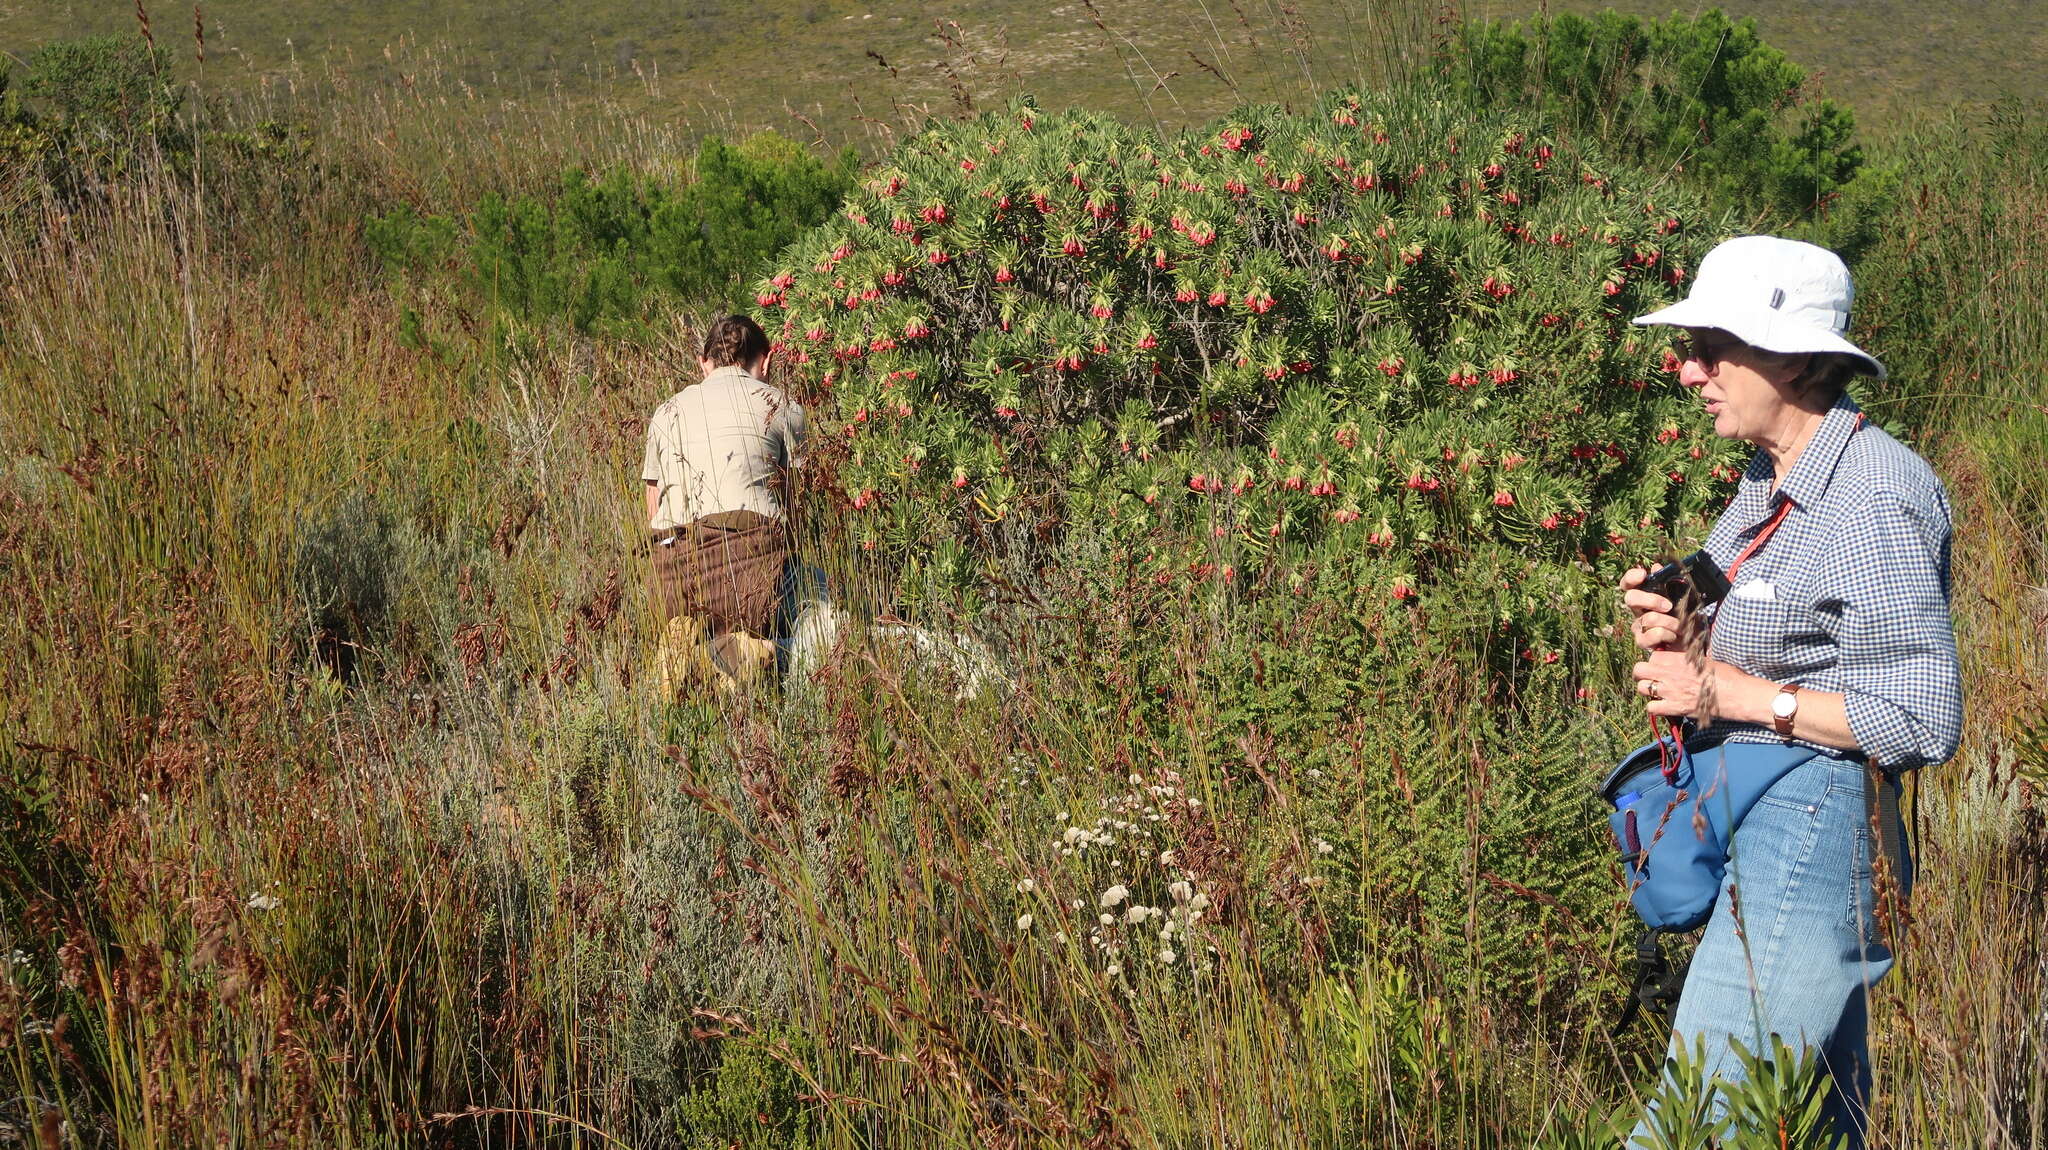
[1776, 294]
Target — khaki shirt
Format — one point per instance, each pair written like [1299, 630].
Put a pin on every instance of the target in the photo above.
[715, 445]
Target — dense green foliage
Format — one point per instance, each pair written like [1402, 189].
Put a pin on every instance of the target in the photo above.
[618, 252]
[1703, 95]
[1385, 328]
[90, 111]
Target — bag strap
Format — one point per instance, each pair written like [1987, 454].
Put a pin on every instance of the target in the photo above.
[1881, 812]
[1657, 985]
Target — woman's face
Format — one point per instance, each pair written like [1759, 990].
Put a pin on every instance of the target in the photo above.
[1744, 388]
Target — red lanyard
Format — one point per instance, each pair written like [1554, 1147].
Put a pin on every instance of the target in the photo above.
[1762, 537]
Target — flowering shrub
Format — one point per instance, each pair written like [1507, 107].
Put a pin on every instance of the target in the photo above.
[1380, 329]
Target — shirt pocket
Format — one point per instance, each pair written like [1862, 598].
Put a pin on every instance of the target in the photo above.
[1772, 638]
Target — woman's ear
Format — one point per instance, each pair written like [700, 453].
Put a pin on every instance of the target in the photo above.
[705, 365]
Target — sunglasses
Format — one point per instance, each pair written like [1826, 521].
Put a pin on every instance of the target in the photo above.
[1709, 353]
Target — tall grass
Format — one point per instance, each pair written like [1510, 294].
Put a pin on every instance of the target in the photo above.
[341, 810]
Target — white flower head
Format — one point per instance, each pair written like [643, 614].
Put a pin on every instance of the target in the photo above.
[1166, 955]
[1106, 919]
[1168, 858]
[1137, 913]
[264, 902]
[1026, 886]
[1199, 903]
[1113, 969]
[1181, 890]
[1115, 895]
[1323, 847]
[1024, 922]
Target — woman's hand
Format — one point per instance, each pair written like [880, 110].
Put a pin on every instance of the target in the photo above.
[1656, 626]
[1676, 684]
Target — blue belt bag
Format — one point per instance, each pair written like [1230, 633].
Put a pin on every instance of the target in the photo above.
[1673, 833]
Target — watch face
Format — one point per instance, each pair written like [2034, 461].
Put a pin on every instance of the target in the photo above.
[1784, 705]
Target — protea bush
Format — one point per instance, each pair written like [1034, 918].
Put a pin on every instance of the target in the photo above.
[1379, 332]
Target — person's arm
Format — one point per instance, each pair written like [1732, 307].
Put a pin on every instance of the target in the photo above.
[650, 470]
[1888, 613]
[1738, 696]
[794, 424]
[1885, 605]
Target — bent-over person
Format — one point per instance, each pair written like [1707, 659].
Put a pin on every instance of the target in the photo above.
[717, 455]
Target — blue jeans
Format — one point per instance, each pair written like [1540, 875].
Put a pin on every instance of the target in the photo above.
[1793, 945]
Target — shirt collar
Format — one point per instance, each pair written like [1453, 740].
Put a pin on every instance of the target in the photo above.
[1808, 479]
[728, 371]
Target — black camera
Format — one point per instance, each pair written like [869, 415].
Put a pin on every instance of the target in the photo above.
[1690, 583]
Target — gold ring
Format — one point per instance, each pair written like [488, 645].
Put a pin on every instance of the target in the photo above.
[1656, 690]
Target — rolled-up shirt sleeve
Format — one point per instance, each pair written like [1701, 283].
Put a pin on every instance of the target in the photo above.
[650, 463]
[1886, 606]
[793, 426]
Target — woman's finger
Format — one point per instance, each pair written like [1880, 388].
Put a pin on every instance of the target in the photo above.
[1640, 601]
[1633, 578]
[1650, 619]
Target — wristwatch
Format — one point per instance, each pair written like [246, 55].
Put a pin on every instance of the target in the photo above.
[1784, 705]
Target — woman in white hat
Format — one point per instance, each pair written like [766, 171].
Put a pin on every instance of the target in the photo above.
[1835, 638]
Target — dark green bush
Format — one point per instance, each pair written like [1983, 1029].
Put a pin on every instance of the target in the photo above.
[99, 106]
[610, 253]
[751, 1099]
[1703, 95]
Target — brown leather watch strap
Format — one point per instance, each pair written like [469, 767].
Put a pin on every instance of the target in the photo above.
[1784, 725]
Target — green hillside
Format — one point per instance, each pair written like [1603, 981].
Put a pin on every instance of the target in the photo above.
[851, 67]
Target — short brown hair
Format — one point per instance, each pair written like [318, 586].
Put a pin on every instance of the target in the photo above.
[735, 340]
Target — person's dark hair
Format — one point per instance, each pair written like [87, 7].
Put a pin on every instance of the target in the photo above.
[735, 340]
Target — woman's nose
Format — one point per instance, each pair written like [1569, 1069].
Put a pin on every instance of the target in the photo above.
[1691, 374]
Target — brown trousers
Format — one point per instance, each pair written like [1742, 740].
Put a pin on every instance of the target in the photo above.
[725, 569]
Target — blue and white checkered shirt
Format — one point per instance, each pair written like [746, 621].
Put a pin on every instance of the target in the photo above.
[1851, 594]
